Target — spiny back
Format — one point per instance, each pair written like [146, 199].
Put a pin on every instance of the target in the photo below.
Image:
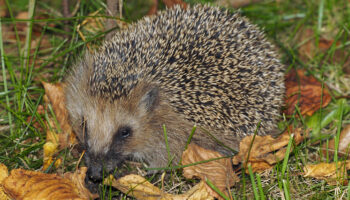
[215, 67]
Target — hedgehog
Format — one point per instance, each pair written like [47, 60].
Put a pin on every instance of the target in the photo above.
[201, 66]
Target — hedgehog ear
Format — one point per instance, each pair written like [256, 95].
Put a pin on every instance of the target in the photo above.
[150, 99]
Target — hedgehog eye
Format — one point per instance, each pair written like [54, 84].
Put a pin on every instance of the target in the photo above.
[124, 132]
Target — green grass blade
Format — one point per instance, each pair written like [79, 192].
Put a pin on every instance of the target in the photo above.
[3, 68]
[339, 125]
[216, 189]
[261, 191]
[286, 156]
[252, 180]
[286, 190]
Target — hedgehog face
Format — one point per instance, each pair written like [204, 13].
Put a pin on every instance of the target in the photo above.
[112, 130]
[118, 132]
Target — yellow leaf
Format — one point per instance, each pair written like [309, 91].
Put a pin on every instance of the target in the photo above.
[50, 149]
[333, 173]
[3, 174]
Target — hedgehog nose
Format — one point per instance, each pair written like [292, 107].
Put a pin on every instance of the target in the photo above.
[94, 173]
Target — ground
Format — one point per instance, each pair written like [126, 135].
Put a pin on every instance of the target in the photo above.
[310, 34]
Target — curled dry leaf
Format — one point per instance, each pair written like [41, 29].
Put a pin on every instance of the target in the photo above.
[306, 92]
[55, 96]
[78, 178]
[3, 174]
[265, 150]
[343, 147]
[139, 188]
[23, 184]
[56, 137]
[219, 172]
[333, 173]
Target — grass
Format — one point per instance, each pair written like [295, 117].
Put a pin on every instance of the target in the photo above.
[24, 64]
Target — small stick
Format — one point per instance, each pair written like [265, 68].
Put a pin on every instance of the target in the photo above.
[114, 8]
[66, 14]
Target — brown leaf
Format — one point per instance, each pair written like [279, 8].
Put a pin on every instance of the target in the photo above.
[55, 96]
[78, 178]
[308, 49]
[23, 184]
[154, 8]
[305, 91]
[219, 172]
[265, 151]
[171, 3]
[333, 173]
[22, 26]
[139, 188]
[343, 147]
[56, 137]
[3, 8]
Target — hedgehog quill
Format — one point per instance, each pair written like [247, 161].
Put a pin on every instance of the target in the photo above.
[200, 65]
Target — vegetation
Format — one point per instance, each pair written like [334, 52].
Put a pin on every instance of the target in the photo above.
[313, 35]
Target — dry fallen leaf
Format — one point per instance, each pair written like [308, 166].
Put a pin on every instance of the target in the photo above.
[306, 92]
[333, 173]
[309, 47]
[55, 96]
[265, 151]
[219, 172]
[78, 178]
[50, 148]
[154, 8]
[139, 188]
[3, 174]
[23, 184]
[3, 8]
[56, 137]
[93, 25]
[343, 147]
[171, 3]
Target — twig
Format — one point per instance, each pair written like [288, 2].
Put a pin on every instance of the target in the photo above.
[66, 14]
[114, 8]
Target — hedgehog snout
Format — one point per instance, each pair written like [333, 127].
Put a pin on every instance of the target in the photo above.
[100, 165]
